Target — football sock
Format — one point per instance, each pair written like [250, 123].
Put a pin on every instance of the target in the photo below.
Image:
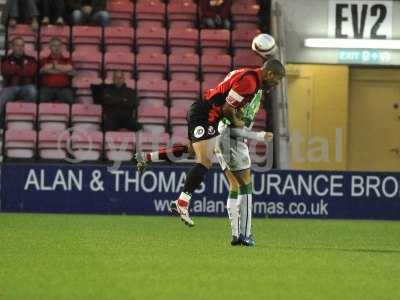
[246, 209]
[166, 154]
[194, 178]
[232, 206]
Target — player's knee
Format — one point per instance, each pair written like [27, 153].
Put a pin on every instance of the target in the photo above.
[205, 162]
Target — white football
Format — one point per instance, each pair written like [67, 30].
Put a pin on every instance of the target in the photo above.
[264, 45]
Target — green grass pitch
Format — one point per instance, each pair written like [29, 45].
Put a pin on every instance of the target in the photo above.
[132, 257]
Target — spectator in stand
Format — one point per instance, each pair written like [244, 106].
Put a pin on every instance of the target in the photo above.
[88, 11]
[119, 104]
[215, 13]
[52, 12]
[22, 11]
[56, 71]
[19, 75]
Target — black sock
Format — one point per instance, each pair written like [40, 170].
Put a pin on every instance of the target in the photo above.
[194, 178]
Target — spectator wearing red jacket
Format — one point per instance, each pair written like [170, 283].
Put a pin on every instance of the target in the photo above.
[56, 71]
[215, 13]
[19, 75]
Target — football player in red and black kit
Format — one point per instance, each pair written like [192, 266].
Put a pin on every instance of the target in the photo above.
[232, 94]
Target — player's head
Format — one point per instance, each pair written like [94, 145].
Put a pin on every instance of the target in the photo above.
[264, 45]
[272, 72]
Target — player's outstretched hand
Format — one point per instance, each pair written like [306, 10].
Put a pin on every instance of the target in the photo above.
[268, 136]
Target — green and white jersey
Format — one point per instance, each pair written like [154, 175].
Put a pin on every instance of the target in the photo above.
[250, 110]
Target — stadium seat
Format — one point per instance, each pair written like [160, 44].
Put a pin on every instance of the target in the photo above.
[150, 13]
[184, 66]
[121, 13]
[180, 131]
[249, 60]
[119, 146]
[53, 144]
[211, 81]
[182, 14]
[82, 85]
[131, 83]
[214, 41]
[119, 61]
[53, 116]
[87, 38]
[245, 15]
[87, 146]
[20, 143]
[25, 31]
[153, 117]
[260, 121]
[184, 89]
[153, 91]
[86, 117]
[20, 115]
[242, 38]
[178, 116]
[150, 39]
[181, 103]
[151, 66]
[51, 31]
[183, 40]
[215, 63]
[119, 39]
[147, 141]
[87, 63]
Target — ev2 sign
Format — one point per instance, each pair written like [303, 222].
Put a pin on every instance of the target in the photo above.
[360, 19]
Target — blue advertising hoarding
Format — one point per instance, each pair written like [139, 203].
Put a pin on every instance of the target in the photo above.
[98, 189]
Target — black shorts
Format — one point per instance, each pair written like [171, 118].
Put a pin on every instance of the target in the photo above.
[199, 128]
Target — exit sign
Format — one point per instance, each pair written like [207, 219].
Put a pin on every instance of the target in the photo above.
[364, 56]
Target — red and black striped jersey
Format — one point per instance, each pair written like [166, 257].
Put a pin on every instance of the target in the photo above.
[237, 89]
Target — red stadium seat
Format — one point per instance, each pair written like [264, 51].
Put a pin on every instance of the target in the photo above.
[87, 63]
[214, 41]
[185, 65]
[150, 13]
[121, 13]
[119, 39]
[20, 143]
[211, 81]
[82, 84]
[151, 141]
[131, 83]
[249, 60]
[20, 115]
[184, 89]
[151, 39]
[51, 31]
[152, 91]
[151, 66]
[119, 146]
[87, 146]
[86, 117]
[242, 37]
[245, 15]
[260, 121]
[153, 117]
[182, 14]
[215, 63]
[53, 116]
[25, 31]
[119, 61]
[53, 144]
[87, 38]
[183, 40]
[182, 103]
[178, 116]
